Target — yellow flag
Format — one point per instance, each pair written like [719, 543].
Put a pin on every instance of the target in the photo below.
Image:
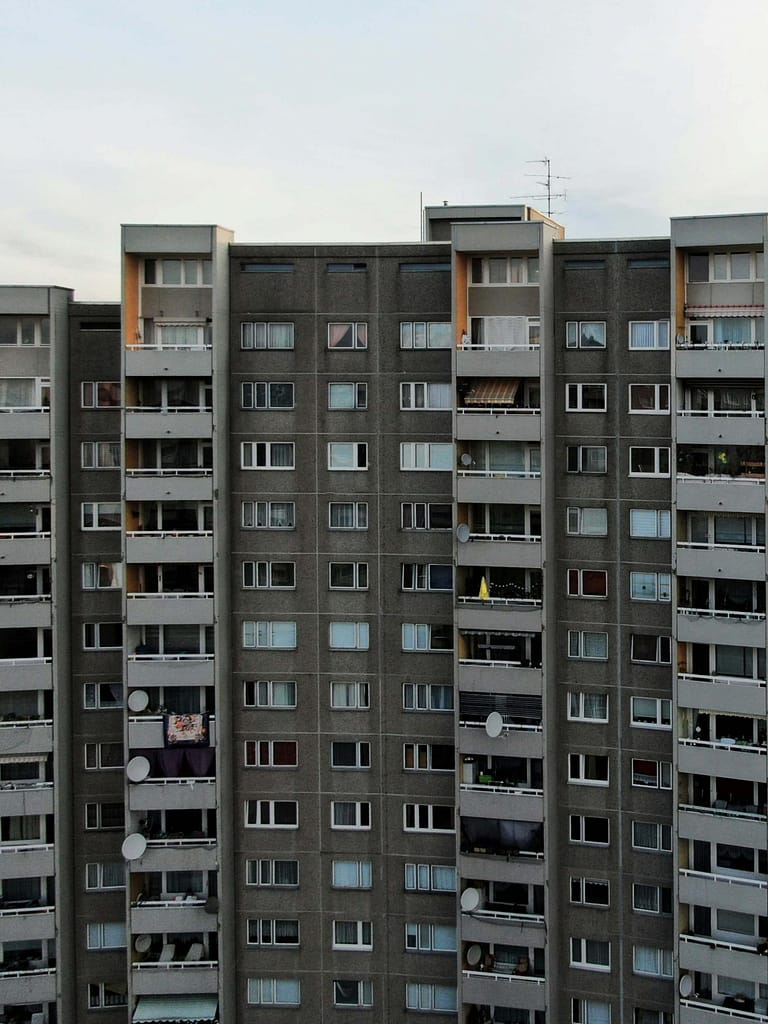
[484, 594]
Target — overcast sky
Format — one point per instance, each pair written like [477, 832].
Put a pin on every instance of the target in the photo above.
[323, 121]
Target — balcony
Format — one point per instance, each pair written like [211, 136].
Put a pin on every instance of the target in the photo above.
[147, 609]
[141, 422]
[158, 546]
[722, 824]
[742, 561]
[487, 485]
[720, 362]
[178, 853]
[26, 798]
[25, 422]
[501, 549]
[27, 486]
[183, 914]
[157, 794]
[194, 484]
[499, 613]
[18, 924]
[149, 732]
[28, 985]
[20, 610]
[163, 978]
[727, 757]
[477, 359]
[183, 361]
[498, 424]
[26, 860]
[722, 693]
[737, 428]
[705, 1011]
[477, 800]
[714, 956]
[719, 626]
[499, 677]
[25, 548]
[20, 736]
[169, 670]
[706, 889]
[499, 989]
[515, 740]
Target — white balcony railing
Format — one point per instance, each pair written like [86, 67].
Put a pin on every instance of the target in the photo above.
[754, 883]
[715, 680]
[719, 613]
[720, 547]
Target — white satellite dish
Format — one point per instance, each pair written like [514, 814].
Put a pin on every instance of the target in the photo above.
[138, 700]
[137, 768]
[142, 943]
[470, 899]
[134, 846]
[686, 985]
[474, 955]
[462, 533]
[494, 725]
[466, 459]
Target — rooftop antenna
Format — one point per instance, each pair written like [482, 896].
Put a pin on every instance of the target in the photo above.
[549, 195]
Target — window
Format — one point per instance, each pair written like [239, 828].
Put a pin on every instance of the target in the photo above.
[255, 394]
[417, 334]
[587, 707]
[265, 931]
[272, 874]
[104, 816]
[352, 874]
[653, 961]
[591, 892]
[348, 515]
[24, 330]
[591, 954]
[280, 635]
[426, 396]
[649, 835]
[348, 335]
[268, 515]
[649, 461]
[505, 270]
[422, 515]
[647, 334]
[649, 398]
[352, 935]
[438, 998]
[106, 935]
[589, 830]
[188, 273]
[350, 696]
[588, 769]
[347, 395]
[583, 458]
[423, 455]
[429, 757]
[430, 878]
[350, 814]
[725, 266]
[653, 523]
[267, 455]
[587, 646]
[100, 394]
[103, 755]
[651, 899]
[590, 1011]
[274, 992]
[270, 693]
[346, 268]
[657, 1016]
[653, 650]
[349, 636]
[102, 575]
[426, 576]
[110, 875]
[100, 455]
[106, 994]
[348, 575]
[428, 818]
[652, 774]
[652, 712]
[271, 753]
[427, 697]
[269, 575]
[587, 522]
[350, 754]
[349, 455]
[266, 268]
[650, 586]
[101, 515]
[271, 814]
[423, 636]
[102, 696]
[430, 938]
[585, 334]
[348, 992]
[587, 583]
[102, 636]
[266, 335]
[585, 398]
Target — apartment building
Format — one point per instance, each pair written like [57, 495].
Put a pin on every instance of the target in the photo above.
[383, 630]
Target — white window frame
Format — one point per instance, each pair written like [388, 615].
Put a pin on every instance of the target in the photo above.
[518, 270]
[257, 515]
[363, 940]
[359, 575]
[580, 773]
[358, 335]
[661, 454]
[258, 455]
[590, 1011]
[419, 697]
[418, 334]
[650, 586]
[431, 997]
[203, 268]
[423, 877]
[663, 957]
[576, 705]
[97, 756]
[577, 644]
[263, 931]
[663, 774]
[92, 636]
[274, 991]
[580, 825]
[426, 937]
[419, 456]
[420, 756]
[422, 818]
[261, 754]
[660, 405]
[360, 636]
[659, 899]
[337, 395]
[89, 394]
[361, 754]
[417, 576]
[663, 657]
[264, 813]
[580, 334]
[255, 690]
[663, 717]
[255, 335]
[663, 527]
[660, 335]
[359, 515]
[263, 870]
[95, 876]
[92, 575]
[262, 634]
[257, 394]
[584, 954]
[418, 396]
[100, 455]
[579, 521]
[94, 816]
[581, 458]
[258, 576]
[362, 816]
[421, 511]
[417, 637]
[580, 892]
[356, 693]
[93, 701]
[106, 995]
[347, 456]
[364, 992]
[92, 511]
[106, 935]
[574, 397]
[362, 869]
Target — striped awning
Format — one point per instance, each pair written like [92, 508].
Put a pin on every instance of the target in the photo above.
[492, 392]
[707, 311]
[182, 1009]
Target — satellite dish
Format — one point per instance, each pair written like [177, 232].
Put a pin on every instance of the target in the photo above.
[138, 700]
[686, 985]
[134, 846]
[466, 459]
[470, 899]
[494, 724]
[474, 955]
[137, 768]
[142, 943]
[680, 339]
[462, 533]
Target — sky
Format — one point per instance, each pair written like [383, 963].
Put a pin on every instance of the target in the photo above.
[322, 122]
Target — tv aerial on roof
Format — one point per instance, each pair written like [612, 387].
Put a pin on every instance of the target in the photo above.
[549, 195]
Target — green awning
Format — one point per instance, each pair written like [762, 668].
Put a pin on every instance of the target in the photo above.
[173, 1009]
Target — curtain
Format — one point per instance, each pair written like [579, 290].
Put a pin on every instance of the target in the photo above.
[17, 392]
[732, 330]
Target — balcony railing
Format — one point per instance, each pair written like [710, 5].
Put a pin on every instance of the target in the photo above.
[489, 663]
[25, 474]
[165, 841]
[24, 723]
[497, 787]
[465, 345]
[755, 883]
[24, 598]
[726, 811]
[26, 535]
[687, 343]
[722, 1011]
[498, 410]
[511, 602]
[174, 965]
[168, 533]
[25, 785]
[169, 657]
[26, 848]
[25, 972]
[715, 680]
[720, 547]
[172, 409]
[755, 414]
[155, 471]
[725, 744]
[154, 780]
[24, 662]
[521, 917]
[720, 613]
[713, 943]
[501, 474]
[30, 908]
[172, 903]
[183, 595]
[529, 538]
[504, 976]
[140, 346]
[470, 723]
